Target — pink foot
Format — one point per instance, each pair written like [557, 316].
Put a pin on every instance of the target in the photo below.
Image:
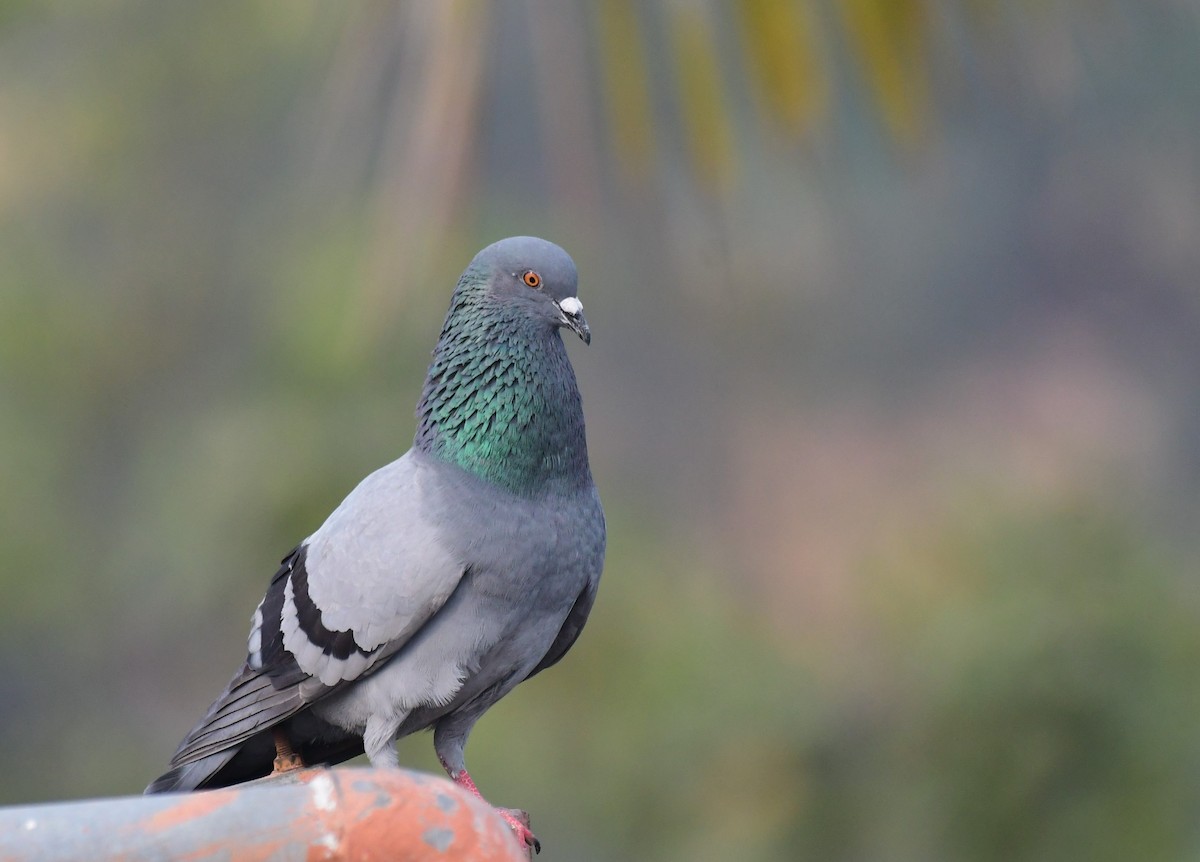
[518, 821]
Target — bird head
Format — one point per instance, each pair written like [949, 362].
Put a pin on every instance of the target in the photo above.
[537, 275]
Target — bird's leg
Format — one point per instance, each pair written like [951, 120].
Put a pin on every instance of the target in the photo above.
[285, 759]
[518, 821]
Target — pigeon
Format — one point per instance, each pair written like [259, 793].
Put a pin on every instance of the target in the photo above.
[446, 577]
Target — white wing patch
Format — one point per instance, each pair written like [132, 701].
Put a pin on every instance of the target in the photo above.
[254, 642]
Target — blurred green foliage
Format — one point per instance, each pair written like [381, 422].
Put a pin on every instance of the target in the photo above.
[892, 399]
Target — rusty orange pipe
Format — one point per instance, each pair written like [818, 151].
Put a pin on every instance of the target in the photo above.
[312, 814]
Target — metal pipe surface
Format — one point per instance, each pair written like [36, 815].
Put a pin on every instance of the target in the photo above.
[312, 814]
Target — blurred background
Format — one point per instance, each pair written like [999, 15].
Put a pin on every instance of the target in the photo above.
[892, 400]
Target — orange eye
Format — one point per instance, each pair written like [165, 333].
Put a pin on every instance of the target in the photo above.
[532, 279]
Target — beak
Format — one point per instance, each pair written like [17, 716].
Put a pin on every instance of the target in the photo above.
[572, 318]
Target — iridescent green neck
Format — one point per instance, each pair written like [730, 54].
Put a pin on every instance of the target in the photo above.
[500, 399]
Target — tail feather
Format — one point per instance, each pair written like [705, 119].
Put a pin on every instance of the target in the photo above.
[249, 705]
[229, 729]
[191, 775]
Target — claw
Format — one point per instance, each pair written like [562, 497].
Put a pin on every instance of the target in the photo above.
[516, 820]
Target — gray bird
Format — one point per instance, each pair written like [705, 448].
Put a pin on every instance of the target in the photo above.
[445, 578]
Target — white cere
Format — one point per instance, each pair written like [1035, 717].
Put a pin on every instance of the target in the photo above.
[571, 305]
